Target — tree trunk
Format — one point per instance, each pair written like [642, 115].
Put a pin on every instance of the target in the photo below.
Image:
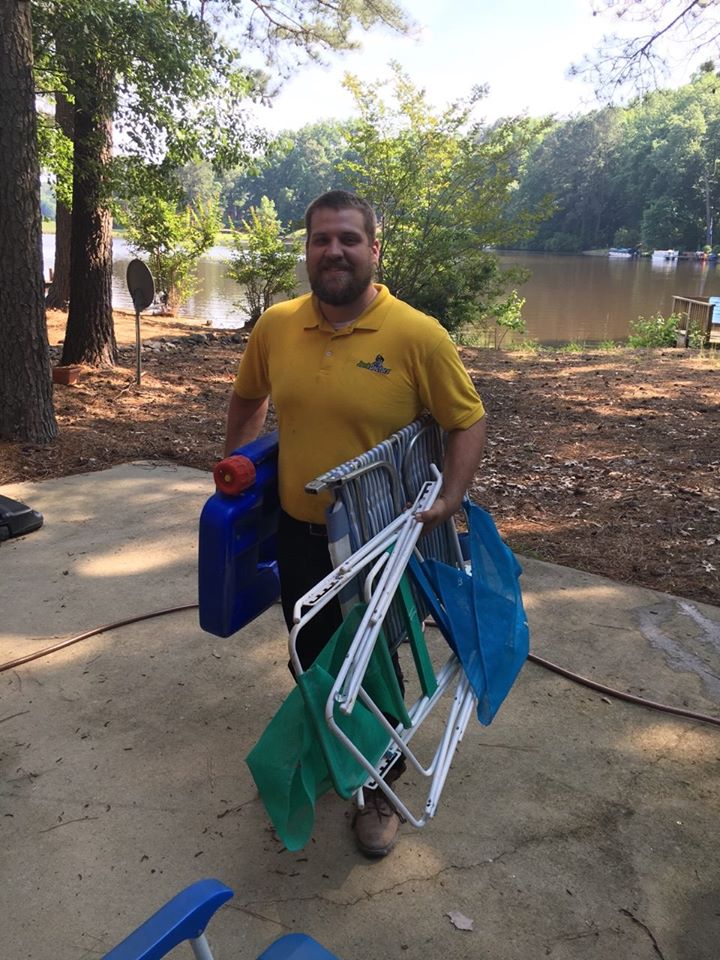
[58, 295]
[90, 334]
[26, 410]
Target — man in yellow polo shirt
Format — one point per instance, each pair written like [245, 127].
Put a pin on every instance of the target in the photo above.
[346, 366]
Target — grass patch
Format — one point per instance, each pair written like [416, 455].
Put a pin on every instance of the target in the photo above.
[575, 346]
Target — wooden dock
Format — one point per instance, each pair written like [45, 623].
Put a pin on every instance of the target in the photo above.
[702, 314]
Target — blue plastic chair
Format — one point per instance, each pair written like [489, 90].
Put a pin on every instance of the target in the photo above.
[186, 916]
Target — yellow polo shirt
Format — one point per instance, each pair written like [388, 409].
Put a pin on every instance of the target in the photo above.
[338, 393]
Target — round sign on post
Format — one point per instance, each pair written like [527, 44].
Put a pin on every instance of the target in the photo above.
[142, 290]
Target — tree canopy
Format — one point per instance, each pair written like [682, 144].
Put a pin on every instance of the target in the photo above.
[440, 182]
[646, 173]
[171, 80]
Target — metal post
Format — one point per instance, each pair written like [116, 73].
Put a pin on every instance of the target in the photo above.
[138, 359]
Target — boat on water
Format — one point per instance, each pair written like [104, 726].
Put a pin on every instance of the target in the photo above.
[665, 254]
[621, 253]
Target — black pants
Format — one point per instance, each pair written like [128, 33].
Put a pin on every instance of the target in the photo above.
[303, 560]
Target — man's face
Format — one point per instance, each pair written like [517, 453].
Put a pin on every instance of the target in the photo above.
[340, 257]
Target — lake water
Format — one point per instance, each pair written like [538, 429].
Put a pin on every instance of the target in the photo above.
[567, 297]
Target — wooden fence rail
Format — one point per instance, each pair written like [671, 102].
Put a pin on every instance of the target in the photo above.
[699, 315]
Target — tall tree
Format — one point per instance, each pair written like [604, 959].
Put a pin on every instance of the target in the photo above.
[264, 261]
[440, 183]
[176, 89]
[575, 164]
[296, 167]
[90, 334]
[26, 410]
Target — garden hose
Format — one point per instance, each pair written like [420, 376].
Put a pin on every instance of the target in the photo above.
[540, 661]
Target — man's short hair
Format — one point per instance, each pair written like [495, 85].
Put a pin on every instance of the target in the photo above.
[343, 200]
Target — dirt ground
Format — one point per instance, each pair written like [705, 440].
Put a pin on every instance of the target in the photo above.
[607, 461]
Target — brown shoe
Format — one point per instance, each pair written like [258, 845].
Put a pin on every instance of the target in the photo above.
[376, 825]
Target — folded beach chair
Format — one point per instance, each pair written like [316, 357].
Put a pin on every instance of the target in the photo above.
[185, 917]
[339, 714]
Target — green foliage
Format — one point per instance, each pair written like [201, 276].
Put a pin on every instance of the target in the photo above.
[174, 240]
[572, 163]
[655, 331]
[295, 168]
[662, 224]
[625, 238]
[508, 316]
[56, 158]
[502, 318]
[47, 202]
[650, 168]
[526, 345]
[696, 338]
[198, 182]
[264, 261]
[574, 346]
[440, 183]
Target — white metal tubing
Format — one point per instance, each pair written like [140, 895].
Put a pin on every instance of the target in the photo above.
[401, 740]
[438, 783]
[323, 592]
[348, 568]
[374, 774]
[201, 948]
[393, 734]
[418, 712]
[444, 752]
[461, 710]
[370, 579]
[424, 705]
[359, 654]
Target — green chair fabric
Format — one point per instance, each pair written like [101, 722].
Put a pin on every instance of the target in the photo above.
[298, 759]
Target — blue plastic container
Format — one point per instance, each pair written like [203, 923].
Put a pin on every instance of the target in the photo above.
[237, 568]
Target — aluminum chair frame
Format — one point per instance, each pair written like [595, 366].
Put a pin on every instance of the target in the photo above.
[387, 569]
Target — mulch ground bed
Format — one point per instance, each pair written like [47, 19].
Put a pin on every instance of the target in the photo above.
[608, 462]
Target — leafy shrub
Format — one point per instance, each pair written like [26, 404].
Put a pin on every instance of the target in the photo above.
[493, 322]
[655, 331]
[174, 240]
[263, 261]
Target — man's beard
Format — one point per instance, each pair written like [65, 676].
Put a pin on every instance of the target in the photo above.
[355, 281]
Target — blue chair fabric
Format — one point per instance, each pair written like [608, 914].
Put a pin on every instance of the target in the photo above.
[481, 613]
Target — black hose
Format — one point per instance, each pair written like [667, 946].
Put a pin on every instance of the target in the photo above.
[540, 661]
[61, 644]
[620, 695]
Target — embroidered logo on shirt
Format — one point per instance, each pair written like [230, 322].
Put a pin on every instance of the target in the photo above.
[376, 366]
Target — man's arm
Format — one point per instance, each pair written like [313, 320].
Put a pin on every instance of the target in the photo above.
[462, 456]
[245, 420]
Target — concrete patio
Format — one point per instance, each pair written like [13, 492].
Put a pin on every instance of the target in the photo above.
[576, 826]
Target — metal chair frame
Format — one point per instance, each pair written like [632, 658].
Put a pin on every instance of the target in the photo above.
[380, 586]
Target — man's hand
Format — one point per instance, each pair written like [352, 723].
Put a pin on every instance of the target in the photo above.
[437, 514]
